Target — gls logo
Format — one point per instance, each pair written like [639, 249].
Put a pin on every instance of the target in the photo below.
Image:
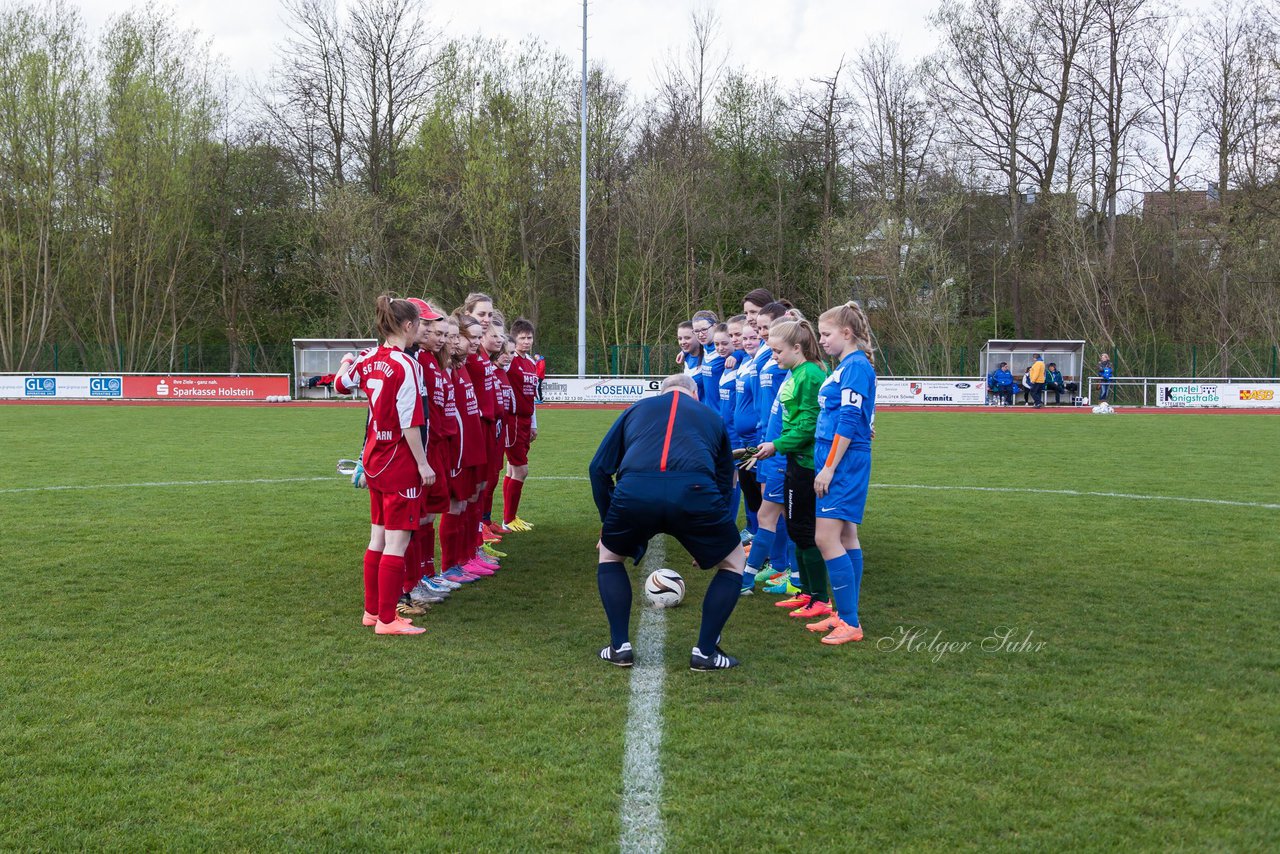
[104, 386]
[41, 387]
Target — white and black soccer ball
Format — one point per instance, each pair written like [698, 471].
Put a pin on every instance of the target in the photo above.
[664, 588]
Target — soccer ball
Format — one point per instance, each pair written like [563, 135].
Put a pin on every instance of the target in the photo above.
[664, 588]
[1103, 408]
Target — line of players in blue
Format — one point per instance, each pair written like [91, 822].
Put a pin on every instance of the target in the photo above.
[804, 436]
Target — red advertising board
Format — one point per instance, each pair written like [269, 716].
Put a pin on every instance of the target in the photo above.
[195, 387]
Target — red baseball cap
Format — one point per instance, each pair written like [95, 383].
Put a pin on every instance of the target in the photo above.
[425, 311]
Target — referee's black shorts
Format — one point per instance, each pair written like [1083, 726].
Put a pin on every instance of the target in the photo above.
[689, 507]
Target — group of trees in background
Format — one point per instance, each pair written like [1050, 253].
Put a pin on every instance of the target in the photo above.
[1097, 169]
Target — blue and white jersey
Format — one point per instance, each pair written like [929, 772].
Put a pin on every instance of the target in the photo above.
[709, 379]
[772, 376]
[692, 367]
[728, 397]
[847, 402]
[746, 417]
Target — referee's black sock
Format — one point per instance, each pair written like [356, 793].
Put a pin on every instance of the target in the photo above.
[722, 595]
[615, 594]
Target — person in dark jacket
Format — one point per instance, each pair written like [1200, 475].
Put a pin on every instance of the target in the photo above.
[666, 467]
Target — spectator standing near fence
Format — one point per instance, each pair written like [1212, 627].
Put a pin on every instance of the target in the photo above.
[1105, 373]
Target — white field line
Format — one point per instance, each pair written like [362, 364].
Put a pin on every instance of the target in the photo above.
[162, 483]
[642, 827]
[1222, 502]
[1032, 491]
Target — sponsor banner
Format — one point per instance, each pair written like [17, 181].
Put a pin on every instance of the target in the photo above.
[60, 387]
[196, 387]
[599, 389]
[960, 392]
[1236, 395]
[141, 387]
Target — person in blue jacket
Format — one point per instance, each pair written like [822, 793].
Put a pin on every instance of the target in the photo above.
[1105, 373]
[708, 378]
[665, 467]
[725, 394]
[1001, 382]
[690, 356]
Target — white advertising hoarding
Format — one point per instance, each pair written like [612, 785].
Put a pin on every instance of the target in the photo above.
[1235, 395]
[61, 387]
[959, 392]
[599, 389]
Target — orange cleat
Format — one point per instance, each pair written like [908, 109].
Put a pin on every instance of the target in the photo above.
[824, 625]
[372, 619]
[800, 600]
[816, 608]
[399, 626]
[843, 633]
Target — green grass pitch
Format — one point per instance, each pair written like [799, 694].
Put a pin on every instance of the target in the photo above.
[182, 667]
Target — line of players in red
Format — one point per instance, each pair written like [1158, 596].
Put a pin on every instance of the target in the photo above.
[449, 398]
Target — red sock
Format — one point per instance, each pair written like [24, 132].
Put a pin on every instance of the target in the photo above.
[390, 577]
[511, 489]
[450, 525]
[488, 496]
[371, 559]
[427, 549]
[413, 562]
[477, 538]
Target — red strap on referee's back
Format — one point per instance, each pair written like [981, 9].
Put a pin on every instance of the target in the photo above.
[671, 425]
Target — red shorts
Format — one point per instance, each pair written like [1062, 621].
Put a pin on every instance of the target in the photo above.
[435, 498]
[460, 485]
[396, 511]
[518, 450]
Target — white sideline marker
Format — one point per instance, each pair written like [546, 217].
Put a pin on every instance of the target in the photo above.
[642, 827]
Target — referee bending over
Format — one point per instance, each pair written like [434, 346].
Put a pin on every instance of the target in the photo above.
[674, 474]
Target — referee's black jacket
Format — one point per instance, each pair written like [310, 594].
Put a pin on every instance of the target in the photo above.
[672, 432]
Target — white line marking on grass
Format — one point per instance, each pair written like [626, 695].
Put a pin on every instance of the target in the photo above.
[162, 483]
[642, 827]
[1031, 491]
[1078, 493]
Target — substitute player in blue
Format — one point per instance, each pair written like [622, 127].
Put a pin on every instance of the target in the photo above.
[665, 467]
[842, 458]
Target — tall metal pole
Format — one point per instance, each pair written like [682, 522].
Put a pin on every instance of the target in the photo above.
[582, 214]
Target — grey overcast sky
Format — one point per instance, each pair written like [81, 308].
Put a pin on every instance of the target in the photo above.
[786, 39]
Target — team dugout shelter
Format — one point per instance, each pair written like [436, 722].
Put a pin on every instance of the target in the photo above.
[1020, 353]
[316, 360]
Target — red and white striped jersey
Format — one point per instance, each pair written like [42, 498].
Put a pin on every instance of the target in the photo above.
[392, 381]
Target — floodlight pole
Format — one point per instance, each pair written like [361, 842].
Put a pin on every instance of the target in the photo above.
[582, 214]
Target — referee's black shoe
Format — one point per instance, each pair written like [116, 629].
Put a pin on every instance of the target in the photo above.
[621, 656]
[718, 660]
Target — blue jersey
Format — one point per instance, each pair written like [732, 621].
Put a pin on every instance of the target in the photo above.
[709, 379]
[746, 418]
[771, 378]
[847, 403]
[692, 366]
[664, 434]
[727, 396]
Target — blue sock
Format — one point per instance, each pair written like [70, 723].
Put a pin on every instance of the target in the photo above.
[778, 554]
[843, 590]
[793, 563]
[759, 551]
[615, 594]
[717, 605]
[753, 522]
[855, 558]
[735, 501]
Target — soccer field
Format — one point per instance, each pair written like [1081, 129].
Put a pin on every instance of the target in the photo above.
[182, 664]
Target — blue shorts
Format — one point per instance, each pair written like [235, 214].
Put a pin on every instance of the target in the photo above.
[689, 507]
[848, 496]
[772, 474]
